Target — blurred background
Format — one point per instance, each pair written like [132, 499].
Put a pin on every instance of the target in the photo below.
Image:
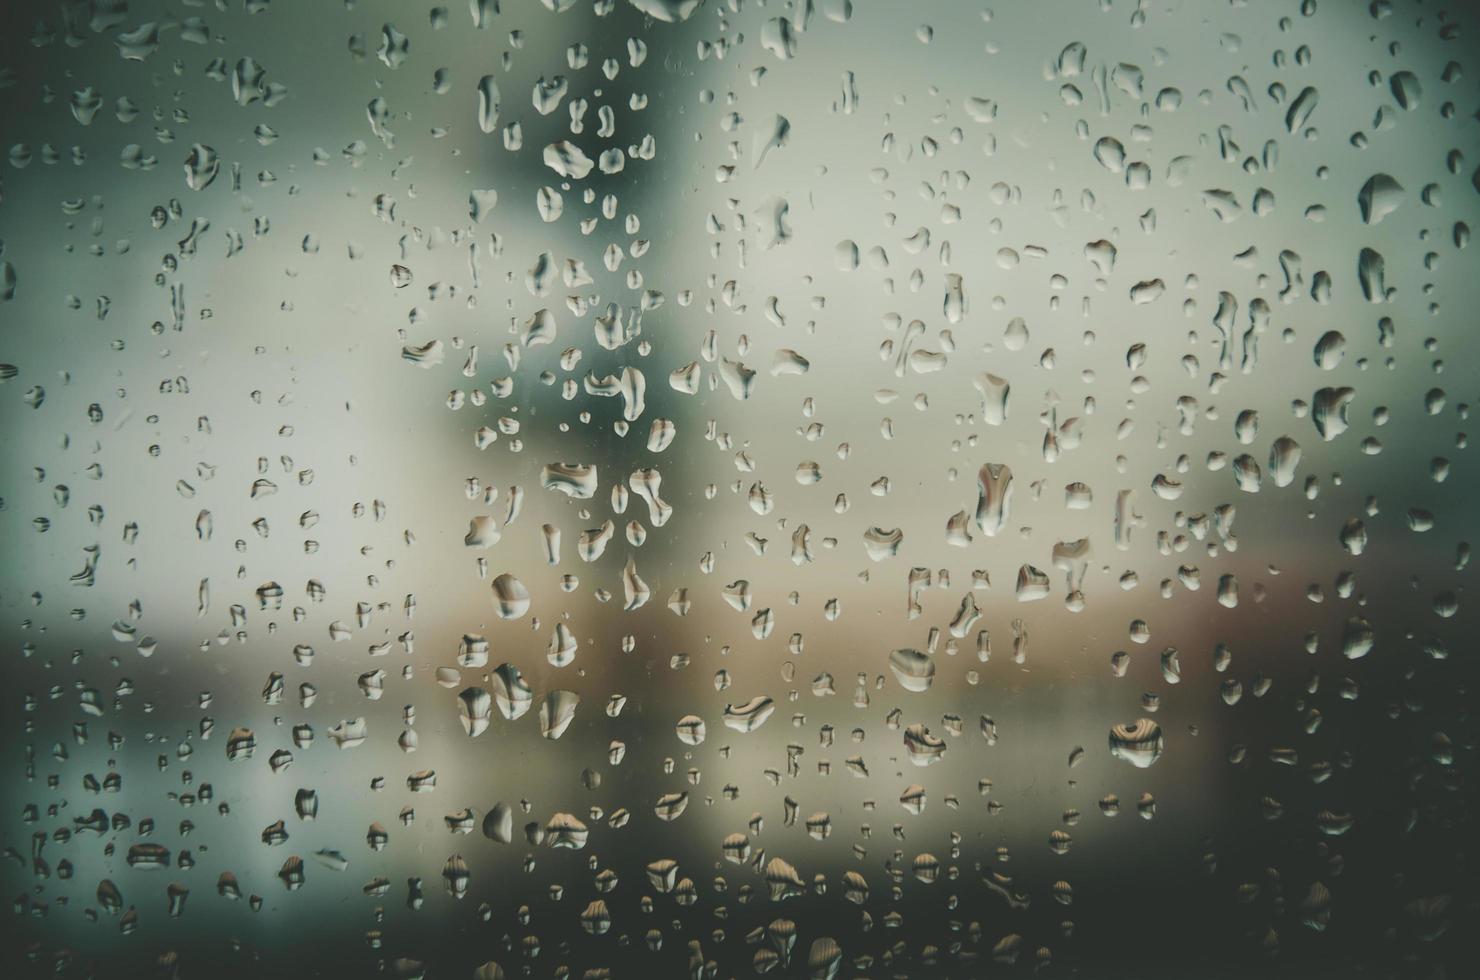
[272, 276]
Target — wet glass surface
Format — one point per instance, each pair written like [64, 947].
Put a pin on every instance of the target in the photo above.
[681, 488]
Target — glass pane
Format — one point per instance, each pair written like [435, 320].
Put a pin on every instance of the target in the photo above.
[647, 488]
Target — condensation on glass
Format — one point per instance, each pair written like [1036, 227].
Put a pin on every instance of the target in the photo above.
[704, 488]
